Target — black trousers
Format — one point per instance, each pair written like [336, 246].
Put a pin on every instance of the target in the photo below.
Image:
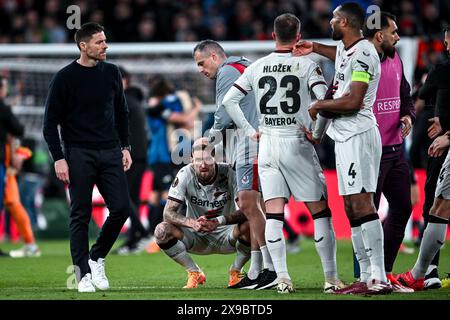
[134, 179]
[88, 167]
[434, 166]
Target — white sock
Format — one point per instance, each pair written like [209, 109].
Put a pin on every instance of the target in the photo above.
[432, 240]
[277, 247]
[267, 259]
[372, 234]
[31, 246]
[255, 264]
[325, 242]
[360, 253]
[179, 254]
[242, 256]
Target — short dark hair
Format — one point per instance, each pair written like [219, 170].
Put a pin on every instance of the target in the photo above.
[207, 46]
[286, 27]
[160, 86]
[86, 32]
[383, 17]
[354, 13]
[203, 147]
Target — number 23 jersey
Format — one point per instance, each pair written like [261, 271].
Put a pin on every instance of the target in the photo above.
[282, 85]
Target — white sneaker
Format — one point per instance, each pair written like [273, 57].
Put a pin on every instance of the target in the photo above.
[98, 274]
[26, 252]
[85, 285]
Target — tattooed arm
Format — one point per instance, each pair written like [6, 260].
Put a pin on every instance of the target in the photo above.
[235, 217]
[172, 214]
[211, 225]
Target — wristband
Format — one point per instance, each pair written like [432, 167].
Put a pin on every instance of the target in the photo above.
[222, 221]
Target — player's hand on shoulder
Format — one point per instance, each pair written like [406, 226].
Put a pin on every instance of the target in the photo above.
[302, 48]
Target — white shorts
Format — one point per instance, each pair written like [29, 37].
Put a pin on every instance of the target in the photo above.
[443, 182]
[290, 166]
[241, 151]
[358, 162]
[219, 241]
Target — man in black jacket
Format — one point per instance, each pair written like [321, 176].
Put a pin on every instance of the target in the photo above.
[87, 101]
[437, 85]
[438, 80]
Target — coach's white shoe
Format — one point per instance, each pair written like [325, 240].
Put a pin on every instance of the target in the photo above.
[85, 284]
[98, 274]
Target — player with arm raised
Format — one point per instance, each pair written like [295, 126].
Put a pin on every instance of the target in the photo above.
[288, 164]
[357, 139]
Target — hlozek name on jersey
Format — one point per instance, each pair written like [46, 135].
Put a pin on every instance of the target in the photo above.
[279, 121]
[209, 204]
[278, 68]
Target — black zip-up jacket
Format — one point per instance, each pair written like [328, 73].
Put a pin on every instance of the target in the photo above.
[436, 89]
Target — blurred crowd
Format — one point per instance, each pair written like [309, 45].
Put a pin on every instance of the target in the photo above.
[44, 21]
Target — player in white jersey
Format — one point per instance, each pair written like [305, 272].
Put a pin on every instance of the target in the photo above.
[211, 224]
[357, 140]
[213, 62]
[288, 164]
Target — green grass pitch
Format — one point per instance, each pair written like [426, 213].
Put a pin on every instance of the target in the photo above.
[156, 277]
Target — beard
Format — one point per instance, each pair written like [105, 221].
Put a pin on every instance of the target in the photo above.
[336, 34]
[96, 57]
[388, 50]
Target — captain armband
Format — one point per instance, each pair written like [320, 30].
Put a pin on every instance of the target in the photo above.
[361, 76]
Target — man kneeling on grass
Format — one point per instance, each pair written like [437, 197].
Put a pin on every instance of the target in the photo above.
[211, 224]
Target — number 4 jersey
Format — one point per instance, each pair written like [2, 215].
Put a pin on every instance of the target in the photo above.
[283, 85]
[359, 62]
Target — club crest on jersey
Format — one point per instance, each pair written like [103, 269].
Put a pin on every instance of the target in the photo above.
[245, 180]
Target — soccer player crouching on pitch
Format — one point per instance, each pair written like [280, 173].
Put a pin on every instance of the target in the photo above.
[211, 224]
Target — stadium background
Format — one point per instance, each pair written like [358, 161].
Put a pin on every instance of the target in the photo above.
[157, 37]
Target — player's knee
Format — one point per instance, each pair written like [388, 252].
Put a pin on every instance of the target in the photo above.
[359, 207]
[162, 232]
[248, 203]
[441, 209]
